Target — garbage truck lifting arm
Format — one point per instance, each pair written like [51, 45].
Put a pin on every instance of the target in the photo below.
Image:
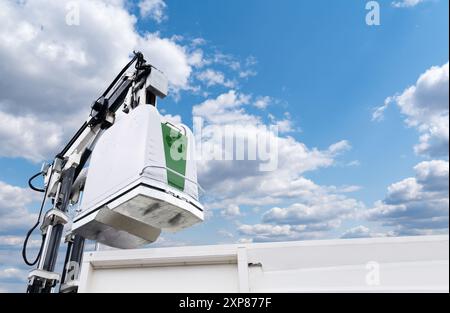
[63, 178]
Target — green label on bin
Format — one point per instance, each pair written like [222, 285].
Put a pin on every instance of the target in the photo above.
[175, 149]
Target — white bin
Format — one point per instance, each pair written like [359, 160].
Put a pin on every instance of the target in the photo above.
[142, 179]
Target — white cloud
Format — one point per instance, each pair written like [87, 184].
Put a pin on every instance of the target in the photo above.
[227, 60]
[271, 232]
[339, 147]
[242, 181]
[419, 205]
[378, 113]
[225, 233]
[354, 163]
[198, 42]
[319, 208]
[406, 3]
[285, 125]
[170, 57]
[169, 242]
[28, 136]
[12, 273]
[244, 240]
[313, 215]
[196, 57]
[313, 210]
[226, 108]
[416, 205]
[433, 175]
[362, 231]
[426, 107]
[244, 69]
[267, 230]
[63, 68]
[357, 232]
[231, 211]
[154, 9]
[174, 119]
[262, 102]
[17, 241]
[13, 207]
[212, 78]
[247, 73]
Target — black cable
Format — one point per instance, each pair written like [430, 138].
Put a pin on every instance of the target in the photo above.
[137, 55]
[27, 237]
[31, 184]
[140, 61]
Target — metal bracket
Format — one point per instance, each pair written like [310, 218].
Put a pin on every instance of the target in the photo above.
[54, 217]
[47, 278]
[70, 286]
[69, 237]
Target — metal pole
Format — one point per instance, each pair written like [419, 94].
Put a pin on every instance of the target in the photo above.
[72, 264]
[45, 279]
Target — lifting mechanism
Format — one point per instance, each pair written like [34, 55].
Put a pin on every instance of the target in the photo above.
[132, 173]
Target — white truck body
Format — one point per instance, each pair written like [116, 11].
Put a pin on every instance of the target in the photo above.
[404, 264]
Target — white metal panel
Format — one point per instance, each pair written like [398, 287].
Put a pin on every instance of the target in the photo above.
[402, 277]
[386, 265]
[120, 155]
[165, 279]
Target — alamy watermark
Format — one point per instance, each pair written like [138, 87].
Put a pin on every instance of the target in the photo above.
[73, 13]
[373, 274]
[230, 143]
[373, 17]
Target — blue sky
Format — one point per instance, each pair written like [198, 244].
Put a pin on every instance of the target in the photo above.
[322, 71]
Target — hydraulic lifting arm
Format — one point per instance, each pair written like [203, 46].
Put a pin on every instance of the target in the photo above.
[64, 177]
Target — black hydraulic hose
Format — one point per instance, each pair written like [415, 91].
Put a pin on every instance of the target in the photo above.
[27, 237]
[140, 61]
[136, 56]
[25, 244]
[30, 183]
[84, 158]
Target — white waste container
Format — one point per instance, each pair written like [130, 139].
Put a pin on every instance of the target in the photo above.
[142, 179]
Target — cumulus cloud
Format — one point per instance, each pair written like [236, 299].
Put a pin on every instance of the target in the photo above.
[28, 136]
[232, 183]
[170, 57]
[267, 230]
[154, 9]
[426, 107]
[12, 273]
[242, 180]
[174, 119]
[417, 205]
[17, 241]
[13, 207]
[227, 60]
[225, 109]
[231, 211]
[274, 232]
[312, 215]
[212, 78]
[262, 102]
[62, 68]
[318, 208]
[243, 70]
[357, 232]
